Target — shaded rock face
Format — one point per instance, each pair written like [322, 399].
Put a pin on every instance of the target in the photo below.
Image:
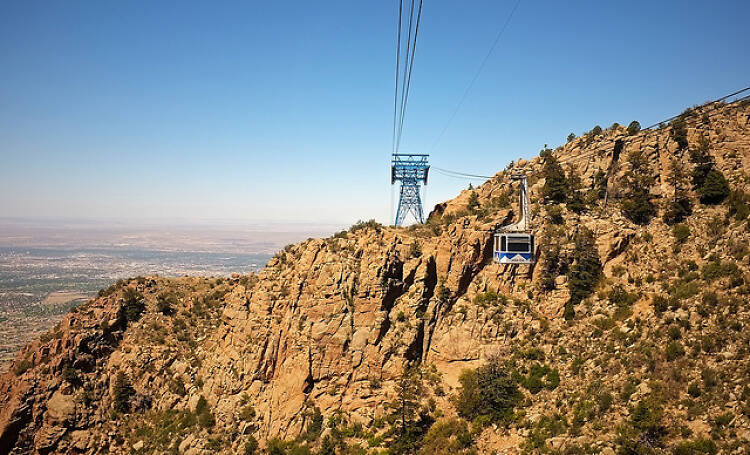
[331, 323]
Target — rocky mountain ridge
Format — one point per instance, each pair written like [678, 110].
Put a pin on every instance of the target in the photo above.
[628, 335]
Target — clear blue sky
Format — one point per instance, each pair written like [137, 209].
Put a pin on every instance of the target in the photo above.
[283, 110]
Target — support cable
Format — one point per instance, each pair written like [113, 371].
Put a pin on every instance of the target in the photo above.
[398, 61]
[476, 76]
[406, 83]
[643, 131]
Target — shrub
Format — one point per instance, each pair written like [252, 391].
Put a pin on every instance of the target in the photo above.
[551, 267]
[370, 224]
[599, 187]
[646, 419]
[70, 375]
[134, 305]
[622, 298]
[634, 127]
[717, 269]
[696, 447]
[533, 383]
[739, 205]
[597, 130]
[22, 367]
[661, 304]
[685, 290]
[554, 213]
[177, 386]
[674, 350]
[251, 446]
[677, 209]
[415, 250]
[490, 391]
[202, 411]
[715, 188]
[315, 426]
[571, 136]
[488, 298]
[165, 303]
[540, 377]
[604, 401]
[545, 428]
[681, 232]
[448, 437]
[694, 390]
[710, 378]
[247, 413]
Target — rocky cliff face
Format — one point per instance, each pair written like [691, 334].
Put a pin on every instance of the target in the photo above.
[195, 365]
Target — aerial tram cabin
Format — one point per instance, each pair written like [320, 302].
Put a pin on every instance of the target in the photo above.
[514, 248]
[514, 244]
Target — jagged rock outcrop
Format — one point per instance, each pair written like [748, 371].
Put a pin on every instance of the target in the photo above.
[331, 323]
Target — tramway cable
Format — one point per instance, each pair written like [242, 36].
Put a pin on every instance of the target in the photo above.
[475, 77]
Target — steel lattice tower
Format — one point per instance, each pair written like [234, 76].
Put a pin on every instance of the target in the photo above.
[411, 170]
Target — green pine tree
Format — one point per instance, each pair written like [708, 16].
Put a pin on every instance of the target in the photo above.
[473, 205]
[586, 271]
[122, 390]
[407, 411]
[575, 201]
[702, 161]
[679, 206]
[715, 188]
[679, 132]
[639, 179]
[555, 187]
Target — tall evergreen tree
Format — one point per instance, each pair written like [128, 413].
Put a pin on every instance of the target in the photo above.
[702, 161]
[586, 271]
[555, 187]
[407, 411]
[575, 201]
[679, 206]
[473, 205]
[639, 179]
[710, 184]
[679, 132]
[122, 390]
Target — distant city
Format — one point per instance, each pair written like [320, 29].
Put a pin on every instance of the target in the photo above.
[47, 267]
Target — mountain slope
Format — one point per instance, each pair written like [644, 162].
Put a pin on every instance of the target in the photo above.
[650, 355]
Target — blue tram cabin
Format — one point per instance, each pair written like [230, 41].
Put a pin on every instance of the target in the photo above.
[514, 248]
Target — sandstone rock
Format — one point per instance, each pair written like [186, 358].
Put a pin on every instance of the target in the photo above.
[186, 443]
[61, 408]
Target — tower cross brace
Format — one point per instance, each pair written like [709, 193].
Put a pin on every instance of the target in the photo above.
[411, 170]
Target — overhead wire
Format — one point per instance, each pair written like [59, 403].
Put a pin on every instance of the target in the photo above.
[411, 66]
[609, 143]
[451, 173]
[650, 128]
[405, 54]
[398, 61]
[475, 77]
[403, 80]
